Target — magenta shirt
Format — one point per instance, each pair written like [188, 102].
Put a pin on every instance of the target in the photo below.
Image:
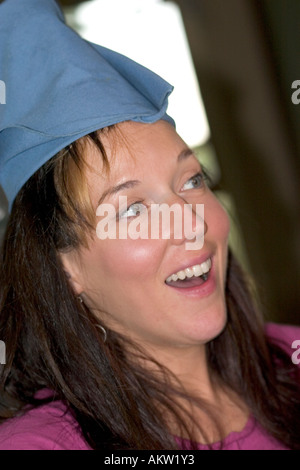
[50, 427]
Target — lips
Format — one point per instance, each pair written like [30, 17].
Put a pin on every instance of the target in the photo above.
[191, 272]
[200, 284]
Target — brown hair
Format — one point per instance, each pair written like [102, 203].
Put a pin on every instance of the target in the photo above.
[53, 342]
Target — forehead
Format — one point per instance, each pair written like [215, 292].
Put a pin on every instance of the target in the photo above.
[134, 148]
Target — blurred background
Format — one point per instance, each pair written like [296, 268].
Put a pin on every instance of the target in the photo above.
[232, 64]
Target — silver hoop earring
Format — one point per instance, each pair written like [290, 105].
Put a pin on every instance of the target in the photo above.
[80, 299]
[103, 331]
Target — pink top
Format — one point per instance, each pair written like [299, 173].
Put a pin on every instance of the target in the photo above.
[50, 427]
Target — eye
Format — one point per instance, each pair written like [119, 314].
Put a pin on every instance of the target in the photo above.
[195, 182]
[133, 211]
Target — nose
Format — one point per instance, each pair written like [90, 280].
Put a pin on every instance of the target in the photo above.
[187, 224]
[194, 226]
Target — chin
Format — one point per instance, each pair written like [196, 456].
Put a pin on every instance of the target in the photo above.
[210, 327]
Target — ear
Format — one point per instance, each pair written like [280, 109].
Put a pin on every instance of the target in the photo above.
[72, 270]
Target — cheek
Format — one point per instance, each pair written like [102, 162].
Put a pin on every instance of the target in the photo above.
[217, 220]
[127, 260]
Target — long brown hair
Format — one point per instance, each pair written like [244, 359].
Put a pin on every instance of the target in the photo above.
[53, 341]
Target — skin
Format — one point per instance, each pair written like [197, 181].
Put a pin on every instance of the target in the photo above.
[123, 281]
[137, 269]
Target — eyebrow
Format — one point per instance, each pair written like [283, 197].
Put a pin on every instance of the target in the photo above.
[187, 152]
[119, 187]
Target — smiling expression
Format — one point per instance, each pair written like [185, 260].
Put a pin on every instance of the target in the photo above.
[154, 290]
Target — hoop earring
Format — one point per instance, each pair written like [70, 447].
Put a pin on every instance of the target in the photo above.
[103, 331]
[79, 298]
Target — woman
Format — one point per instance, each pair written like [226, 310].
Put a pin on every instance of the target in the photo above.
[121, 342]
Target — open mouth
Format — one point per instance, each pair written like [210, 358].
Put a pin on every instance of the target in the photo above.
[192, 276]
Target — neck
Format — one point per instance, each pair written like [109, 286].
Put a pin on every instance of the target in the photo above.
[189, 365]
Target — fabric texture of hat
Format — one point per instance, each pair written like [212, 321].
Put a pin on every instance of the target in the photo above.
[60, 87]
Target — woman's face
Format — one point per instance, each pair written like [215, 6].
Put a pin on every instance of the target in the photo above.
[125, 280]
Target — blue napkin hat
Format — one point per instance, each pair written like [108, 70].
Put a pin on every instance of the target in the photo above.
[60, 87]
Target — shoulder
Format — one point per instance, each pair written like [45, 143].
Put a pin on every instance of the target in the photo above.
[48, 427]
[286, 336]
[283, 333]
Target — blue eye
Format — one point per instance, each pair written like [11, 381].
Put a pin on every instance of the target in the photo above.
[133, 211]
[195, 182]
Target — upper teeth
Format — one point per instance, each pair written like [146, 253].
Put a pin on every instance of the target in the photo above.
[196, 270]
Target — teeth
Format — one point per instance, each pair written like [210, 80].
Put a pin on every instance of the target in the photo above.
[196, 270]
[189, 272]
[206, 266]
[181, 275]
